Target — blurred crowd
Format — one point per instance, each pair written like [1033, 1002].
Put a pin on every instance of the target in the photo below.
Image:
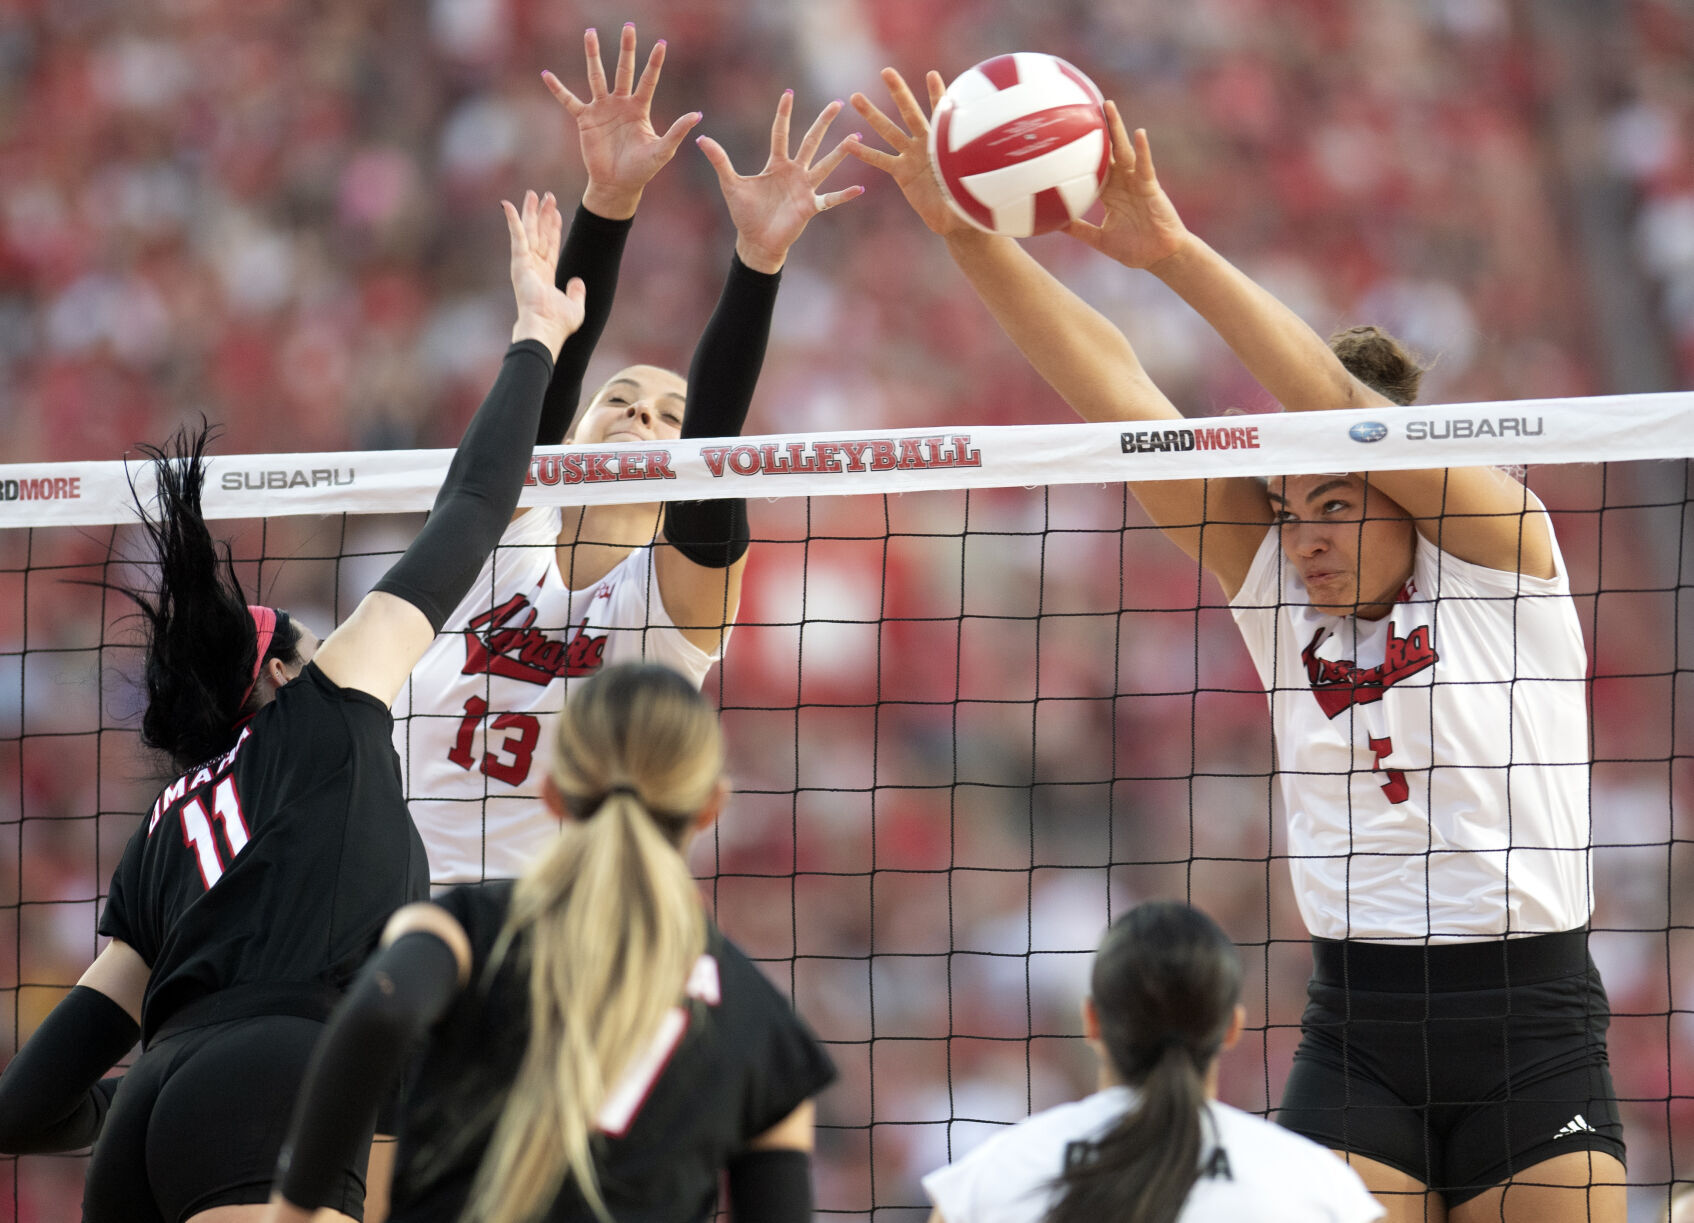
[957, 753]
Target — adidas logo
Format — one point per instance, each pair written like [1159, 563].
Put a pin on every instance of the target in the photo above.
[1576, 1125]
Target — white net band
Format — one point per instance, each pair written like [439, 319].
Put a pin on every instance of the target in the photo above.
[1605, 428]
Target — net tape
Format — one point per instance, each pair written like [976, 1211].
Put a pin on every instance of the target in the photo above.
[1576, 430]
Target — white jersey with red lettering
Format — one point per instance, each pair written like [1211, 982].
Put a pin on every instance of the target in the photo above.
[473, 723]
[1434, 763]
[1251, 1171]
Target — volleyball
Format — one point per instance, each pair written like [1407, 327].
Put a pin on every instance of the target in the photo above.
[1019, 144]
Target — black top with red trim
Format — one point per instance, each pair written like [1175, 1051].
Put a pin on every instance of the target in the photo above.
[262, 880]
[743, 1063]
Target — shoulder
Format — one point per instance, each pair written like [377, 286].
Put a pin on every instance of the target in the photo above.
[538, 524]
[313, 687]
[1276, 1160]
[1439, 572]
[1008, 1178]
[1261, 588]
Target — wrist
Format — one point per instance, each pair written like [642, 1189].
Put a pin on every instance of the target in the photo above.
[545, 332]
[612, 203]
[760, 259]
[1188, 256]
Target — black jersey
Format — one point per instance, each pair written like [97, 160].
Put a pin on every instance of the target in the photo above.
[736, 1061]
[275, 865]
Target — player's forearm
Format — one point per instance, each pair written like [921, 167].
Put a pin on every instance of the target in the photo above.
[401, 993]
[593, 250]
[1286, 356]
[51, 1096]
[1074, 347]
[480, 493]
[721, 380]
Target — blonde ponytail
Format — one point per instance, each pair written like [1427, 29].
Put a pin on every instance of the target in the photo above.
[609, 922]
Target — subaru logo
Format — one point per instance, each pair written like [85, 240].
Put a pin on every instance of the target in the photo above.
[1368, 431]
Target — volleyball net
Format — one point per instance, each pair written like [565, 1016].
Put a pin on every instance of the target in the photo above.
[976, 707]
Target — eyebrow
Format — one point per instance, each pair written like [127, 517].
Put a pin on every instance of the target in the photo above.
[631, 382]
[1326, 487]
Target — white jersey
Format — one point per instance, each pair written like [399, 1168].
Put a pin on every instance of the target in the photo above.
[473, 723]
[1251, 1170]
[1434, 763]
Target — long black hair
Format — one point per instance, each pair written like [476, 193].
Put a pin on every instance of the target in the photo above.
[1165, 984]
[202, 646]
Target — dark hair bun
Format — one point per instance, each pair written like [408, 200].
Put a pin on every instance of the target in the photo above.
[1379, 361]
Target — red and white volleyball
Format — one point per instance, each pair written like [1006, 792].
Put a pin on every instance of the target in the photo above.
[1019, 144]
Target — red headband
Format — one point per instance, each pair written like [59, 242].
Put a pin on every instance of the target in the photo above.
[264, 627]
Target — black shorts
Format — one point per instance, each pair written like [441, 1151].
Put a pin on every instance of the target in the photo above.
[1458, 1064]
[198, 1122]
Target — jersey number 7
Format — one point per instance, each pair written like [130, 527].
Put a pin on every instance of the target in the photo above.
[198, 835]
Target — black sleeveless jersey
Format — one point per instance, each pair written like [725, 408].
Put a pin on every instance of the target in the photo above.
[733, 1060]
[271, 870]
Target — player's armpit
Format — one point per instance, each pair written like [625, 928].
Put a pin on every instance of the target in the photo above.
[701, 600]
[375, 648]
[793, 1132]
[1479, 514]
[121, 974]
[771, 1181]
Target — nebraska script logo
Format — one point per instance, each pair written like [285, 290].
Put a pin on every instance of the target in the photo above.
[495, 645]
[1339, 684]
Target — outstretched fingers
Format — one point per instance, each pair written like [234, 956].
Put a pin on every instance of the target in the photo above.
[550, 229]
[881, 124]
[937, 87]
[623, 78]
[814, 134]
[917, 123]
[833, 158]
[649, 82]
[1123, 150]
[830, 200]
[573, 104]
[779, 125]
[1143, 167]
[596, 70]
[718, 160]
[876, 159]
[514, 230]
[672, 139]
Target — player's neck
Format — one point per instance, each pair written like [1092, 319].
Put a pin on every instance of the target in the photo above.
[594, 540]
[614, 526]
[1109, 1078]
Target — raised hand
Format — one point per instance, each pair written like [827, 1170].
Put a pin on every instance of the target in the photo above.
[1141, 226]
[772, 207]
[544, 313]
[620, 148]
[908, 165]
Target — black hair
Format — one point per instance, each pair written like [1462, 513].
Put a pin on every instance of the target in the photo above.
[1381, 362]
[1165, 984]
[200, 639]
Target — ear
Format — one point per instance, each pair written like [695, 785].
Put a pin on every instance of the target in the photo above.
[554, 798]
[708, 814]
[1090, 1020]
[1237, 1024]
[276, 672]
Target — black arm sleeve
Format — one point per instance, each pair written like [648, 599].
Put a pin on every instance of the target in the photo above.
[480, 492]
[594, 251]
[721, 379]
[771, 1185]
[399, 995]
[51, 1096]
